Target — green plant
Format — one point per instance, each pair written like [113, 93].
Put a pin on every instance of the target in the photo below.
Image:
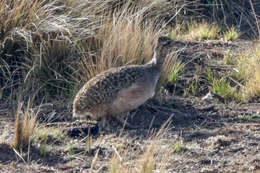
[176, 33]
[244, 118]
[210, 76]
[176, 70]
[222, 87]
[255, 116]
[202, 31]
[246, 72]
[170, 65]
[225, 162]
[43, 134]
[245, 169]
[194, 86]
[178, 147]
[231, 34]
[70, 149]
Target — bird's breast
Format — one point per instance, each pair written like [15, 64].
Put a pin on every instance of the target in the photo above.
[132, 97]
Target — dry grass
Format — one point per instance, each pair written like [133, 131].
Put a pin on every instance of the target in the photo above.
[177, 32]
[144, 163]
[246, 72]
[54, 46]
[252, 86]
[202, 31]
[43, 134]
[191, 31]
[231, 34]
[123, 41]
[248, 69]
[152, 159]
[24, 128]
[171, 69]
[50, 48]
[37, 43]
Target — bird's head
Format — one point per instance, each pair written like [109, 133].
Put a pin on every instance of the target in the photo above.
[162, 49]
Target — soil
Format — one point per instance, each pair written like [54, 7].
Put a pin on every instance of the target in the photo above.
[218, 135]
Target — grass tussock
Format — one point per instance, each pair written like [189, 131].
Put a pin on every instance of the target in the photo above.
[202, 31]
[248, 69]
[24, 127]
[47, 134]
[252, 86]
[151, 159]
[146, 163]
[37, 45]
[123, 41]
[223, 88]
[231, 34]
[176, 70]
[51, 47]
[171, 70]
[245, 72]
[178, 147]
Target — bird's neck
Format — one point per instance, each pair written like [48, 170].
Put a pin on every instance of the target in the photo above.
[156, 61]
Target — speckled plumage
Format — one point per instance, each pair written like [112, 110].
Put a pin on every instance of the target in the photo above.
[121, 89]
[104, 87]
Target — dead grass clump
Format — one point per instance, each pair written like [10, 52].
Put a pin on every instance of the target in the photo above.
[48, 39]
[24, 128]
[247, 68]
[252, 87]
[153, 158]
[230, 13]
[231, 34]
[161, 12]
[47, 134]
[202, 31]
[37, 44]
[171, 69]
[48, 47]
[18, 16]
[122, 41]
[246, 73]
[147, 162]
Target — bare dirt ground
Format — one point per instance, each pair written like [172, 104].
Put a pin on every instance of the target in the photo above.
[216, 135]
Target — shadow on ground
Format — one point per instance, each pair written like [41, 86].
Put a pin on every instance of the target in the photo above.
[8, 155]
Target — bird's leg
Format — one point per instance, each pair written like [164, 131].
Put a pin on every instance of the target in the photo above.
[105, 123]
[124, 123]
[102, 123]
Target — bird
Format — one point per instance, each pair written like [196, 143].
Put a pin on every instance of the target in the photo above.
[121, 89]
